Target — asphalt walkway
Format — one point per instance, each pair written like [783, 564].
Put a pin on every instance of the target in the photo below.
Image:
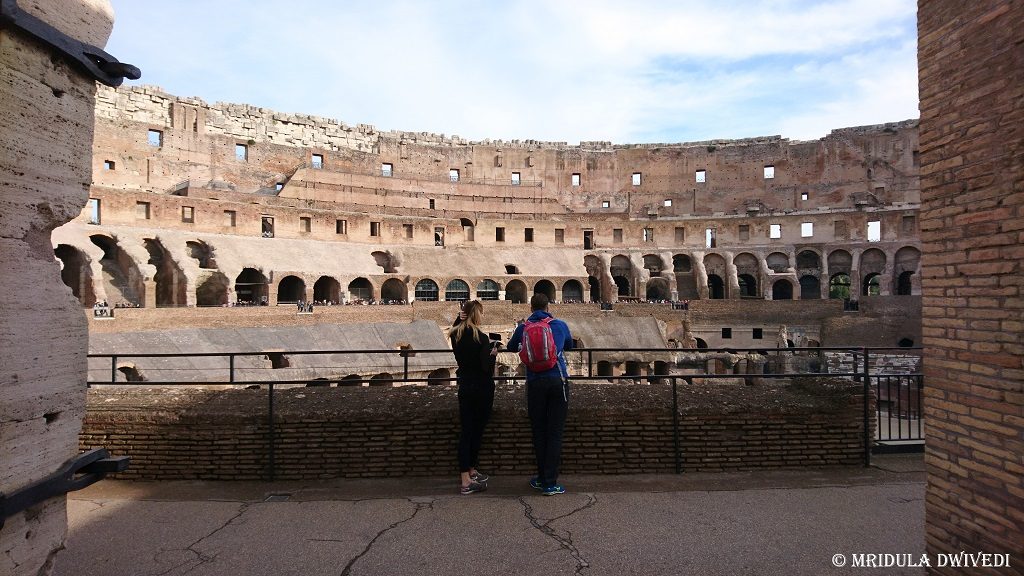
[773, 522]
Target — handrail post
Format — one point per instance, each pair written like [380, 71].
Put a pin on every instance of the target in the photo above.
[231, 367]
[270, 438]
[405, 366]
[590, 364]
[867, 395]
[113, 368]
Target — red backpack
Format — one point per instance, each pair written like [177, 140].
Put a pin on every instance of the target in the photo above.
[538, 351]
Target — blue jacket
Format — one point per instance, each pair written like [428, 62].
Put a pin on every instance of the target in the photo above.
[563, 341]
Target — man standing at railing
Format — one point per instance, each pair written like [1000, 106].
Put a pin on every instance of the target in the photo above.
[541, 341]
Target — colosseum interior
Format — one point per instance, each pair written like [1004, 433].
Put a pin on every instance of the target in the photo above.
[224, 216]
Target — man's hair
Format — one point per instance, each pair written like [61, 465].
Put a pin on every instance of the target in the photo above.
[538, 302]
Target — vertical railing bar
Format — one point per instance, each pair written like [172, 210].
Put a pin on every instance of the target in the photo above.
[867, 394]
[113, 368]
[675, 427]
[878, 406]
[920, 406]
[270, 439]
[231, 367]
[899, 405]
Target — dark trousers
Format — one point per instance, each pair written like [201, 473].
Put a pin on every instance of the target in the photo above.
[547, 404]
[476, 398]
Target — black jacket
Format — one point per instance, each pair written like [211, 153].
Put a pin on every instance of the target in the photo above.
[473, 355]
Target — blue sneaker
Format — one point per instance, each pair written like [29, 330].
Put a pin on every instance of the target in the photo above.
[536, 484]
[552, 490]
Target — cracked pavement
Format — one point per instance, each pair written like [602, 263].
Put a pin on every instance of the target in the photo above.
[784, 522]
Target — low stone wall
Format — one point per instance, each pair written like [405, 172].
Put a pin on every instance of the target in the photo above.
[412, 431]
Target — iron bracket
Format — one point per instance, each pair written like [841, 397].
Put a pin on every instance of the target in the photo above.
[81, 471]
[94, 61]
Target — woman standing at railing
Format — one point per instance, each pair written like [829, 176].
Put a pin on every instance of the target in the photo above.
[475, 356]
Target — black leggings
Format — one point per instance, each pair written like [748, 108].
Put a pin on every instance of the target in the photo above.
[476, 398]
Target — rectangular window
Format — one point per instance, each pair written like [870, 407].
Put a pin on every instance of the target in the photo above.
[318, 161]
[142, 210]
[841, 229]
[559, 235]
[341, 226]
[758, 333]
[387, 170]
[775, 231]
[874, 230]
[617, 235]
[769, 172]
[606, 203]
[279, 186]
[804, 196]
[438, 236]
[709, 238]
[909, 225]
[515, 178]
[241, 152]
[806, 229]
[576, 179]
[375, 229]
[155, 138]
[499, 234]
[744, 232]
[230, 218]
[267, 226]
[94, 210]
[431, 203]
[528, 234]
[453, 174]
[648, 234]
[726, 333]
[680, 234]
[588, 239]
[702, 176]
[636, 178]
[305, 223]
[108, 164]
[667, 202]
[407, 228]
[188, 214]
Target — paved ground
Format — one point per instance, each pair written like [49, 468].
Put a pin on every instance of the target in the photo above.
[784, 522]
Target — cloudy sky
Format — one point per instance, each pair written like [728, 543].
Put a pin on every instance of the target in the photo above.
[558, 70]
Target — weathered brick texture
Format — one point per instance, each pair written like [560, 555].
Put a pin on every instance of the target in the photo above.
[971, 58]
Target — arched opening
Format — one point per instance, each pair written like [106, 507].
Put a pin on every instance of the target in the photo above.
[326, 289]
[604, 368]
[654, 264]
[202, 253]
[456, 291]
[662, 368]
[907, 262]
[595, 289]
[251, 287]
[808, 260]
[382, 379]
[487, 290]
[681, 263]
[622, 274]
[777, 262]
[129, 373]
[439, 377]
[394, 291]
[716, 287]
[904, 284]
[171, 284]
[701, 343]
[906, 343]
[782, 290]
[872, 285]
[748, 286]
[515, 292]
[840, 261]
[351, 380]
[278, 360]
[290, 290]
[360, 289]
[810, 287]
[121, 279]
[75, 273]
[213, 290]
[839, 286]
[622, 285]
[511, 269]
[572, 291]
[318, 383]
[658, 289]
[633, 368]
[546, 288]
[467, 228]
[426, 290]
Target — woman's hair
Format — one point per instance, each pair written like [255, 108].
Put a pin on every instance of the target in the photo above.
[474, 316]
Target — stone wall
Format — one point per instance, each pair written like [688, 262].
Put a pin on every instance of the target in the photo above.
[971, 61]
[367, 432]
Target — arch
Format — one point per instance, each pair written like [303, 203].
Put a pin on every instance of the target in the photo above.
[782, 290]
[658, 289]
[360, 289]
[810, 287]
[511, 269]
[681, 263]
[839, 286]
[456, 291]
[326, 289]
[633, 368]
[515, 291]
[251, 286]
[545, 287]
[872, 285]
[439, 377]
[622, 283]
[654, 264]
[572, 291]
[701, 343]
[777, 262]
[604, 368]
[75, 273]
[213, 290]
[426, 290]
[595, 289]
[872, 261]
[382, 379]
[715, 264]
[290, 290]
[662, 368]
[202, 253]
[907, 261]
[716, 287]
[746, 263]
[487, 290]
[840, 261]
[351, 380]
[120, 275]
[808, 260]
[467, 229]
[394, 290]
[170, 280]
[748, 286]
[904, 284]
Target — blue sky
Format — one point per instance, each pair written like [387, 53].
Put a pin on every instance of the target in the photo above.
[556, 70]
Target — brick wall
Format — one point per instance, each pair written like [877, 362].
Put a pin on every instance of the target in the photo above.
[971, 60]
[369, 432]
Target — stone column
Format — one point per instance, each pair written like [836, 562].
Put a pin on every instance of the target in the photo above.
[46, 132]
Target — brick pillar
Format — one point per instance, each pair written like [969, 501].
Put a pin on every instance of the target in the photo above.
[971, 66]
[46, 132]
